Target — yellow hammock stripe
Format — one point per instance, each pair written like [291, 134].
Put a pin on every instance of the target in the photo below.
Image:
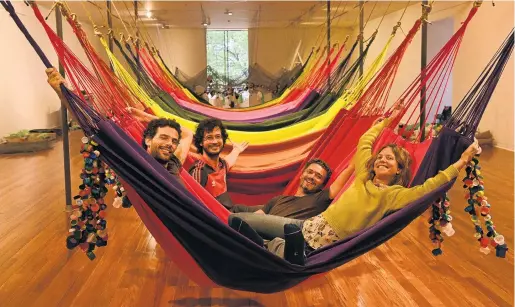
[126, 78]
[301, 78]
[256, 138]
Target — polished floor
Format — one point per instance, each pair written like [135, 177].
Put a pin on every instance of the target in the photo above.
[36, 269]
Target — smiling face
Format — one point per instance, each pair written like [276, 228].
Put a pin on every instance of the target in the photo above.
[313, 178]
[163, 144]
[386, 166]
[213, 142]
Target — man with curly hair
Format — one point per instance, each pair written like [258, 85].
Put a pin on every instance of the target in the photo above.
[163, 138]
[211, 170]
[166, 142]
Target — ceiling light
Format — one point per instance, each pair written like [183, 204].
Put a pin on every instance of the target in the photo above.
[310, 23]
[148, 14]
[227, 12]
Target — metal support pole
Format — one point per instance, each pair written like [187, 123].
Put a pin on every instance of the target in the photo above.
[423, 64]
[226, 45]
[110, 25]
[137, 35]
[64, 124]
[328, 45]
[361, 28]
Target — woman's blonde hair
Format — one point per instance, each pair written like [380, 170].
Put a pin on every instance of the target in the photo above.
[404, 161]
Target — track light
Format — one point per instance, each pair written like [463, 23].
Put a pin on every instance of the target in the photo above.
[206, 21]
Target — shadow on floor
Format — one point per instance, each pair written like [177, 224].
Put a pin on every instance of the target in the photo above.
[208, 301]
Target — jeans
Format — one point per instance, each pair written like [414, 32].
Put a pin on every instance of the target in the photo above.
[267, 226]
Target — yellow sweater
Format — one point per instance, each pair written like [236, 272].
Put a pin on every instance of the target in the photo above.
[364, 204]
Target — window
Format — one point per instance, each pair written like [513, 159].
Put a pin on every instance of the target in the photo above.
[227, 57]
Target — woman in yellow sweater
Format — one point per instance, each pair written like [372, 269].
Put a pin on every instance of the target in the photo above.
[380, 187]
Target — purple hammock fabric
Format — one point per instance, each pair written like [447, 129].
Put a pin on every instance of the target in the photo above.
[228, 258]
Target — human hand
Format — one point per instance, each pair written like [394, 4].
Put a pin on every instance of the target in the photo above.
[54, 79]
[397, 108]
[471, 151]
[140, 115]
[240, 147]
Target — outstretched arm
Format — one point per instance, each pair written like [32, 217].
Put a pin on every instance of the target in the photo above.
[141, 115]
[340, 182]
[406, 196]
[237, 149]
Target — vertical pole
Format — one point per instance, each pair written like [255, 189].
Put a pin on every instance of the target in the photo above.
[110, 25]
[423, 64]
[226, 58]
[64, 124]
[361, 28]
[137, 35]
[328, 44]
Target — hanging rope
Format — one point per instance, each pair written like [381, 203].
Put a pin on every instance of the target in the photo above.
[370, 15]
[120, 17]
[385, 12]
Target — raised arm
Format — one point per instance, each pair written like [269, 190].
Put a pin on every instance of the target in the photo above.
[237, 149]
[340, 182]
[184, 146]
[364, 149]
[141, 115]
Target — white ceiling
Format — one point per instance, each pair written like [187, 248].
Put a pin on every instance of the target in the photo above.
[245, 14]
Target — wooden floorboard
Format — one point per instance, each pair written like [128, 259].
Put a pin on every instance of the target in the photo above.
[36, 269]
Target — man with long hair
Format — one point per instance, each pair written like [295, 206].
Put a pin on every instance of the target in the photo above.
[211, 170]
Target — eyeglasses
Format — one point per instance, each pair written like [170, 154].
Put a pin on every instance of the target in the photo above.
[211, 138]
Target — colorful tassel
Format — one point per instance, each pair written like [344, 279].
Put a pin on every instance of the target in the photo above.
[88, 227]
[478, 205]
[440, 222]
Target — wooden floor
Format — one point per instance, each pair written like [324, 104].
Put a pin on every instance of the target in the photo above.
[36, 269]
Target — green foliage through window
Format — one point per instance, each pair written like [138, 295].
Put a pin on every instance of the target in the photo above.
[227, 57]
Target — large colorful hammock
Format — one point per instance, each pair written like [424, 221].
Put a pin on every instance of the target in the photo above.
[193, 231]
[284, 159]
